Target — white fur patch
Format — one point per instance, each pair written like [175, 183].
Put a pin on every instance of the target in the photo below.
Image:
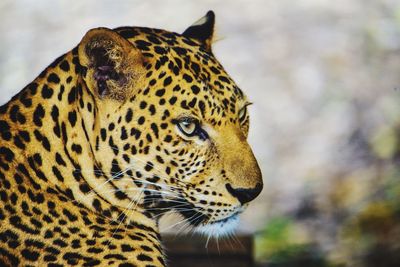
[219, 229]
[201, 21]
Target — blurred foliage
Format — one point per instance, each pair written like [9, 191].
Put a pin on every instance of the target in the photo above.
[274, 238]
[369, 237]
[362, 217]
[276, 245]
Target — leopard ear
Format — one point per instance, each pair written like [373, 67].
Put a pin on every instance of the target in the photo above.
[202, 30]
[112, 64]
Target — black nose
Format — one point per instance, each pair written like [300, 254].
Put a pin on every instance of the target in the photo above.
[245, 195]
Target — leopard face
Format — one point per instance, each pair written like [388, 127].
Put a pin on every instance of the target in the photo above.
[171, 125]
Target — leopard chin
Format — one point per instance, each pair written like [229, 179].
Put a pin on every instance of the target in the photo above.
[220, 228]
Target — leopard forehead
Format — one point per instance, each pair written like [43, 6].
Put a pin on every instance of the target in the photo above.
[183, 72]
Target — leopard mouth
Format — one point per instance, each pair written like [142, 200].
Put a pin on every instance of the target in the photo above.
[193, 215]
[220, 228]
[202, 222]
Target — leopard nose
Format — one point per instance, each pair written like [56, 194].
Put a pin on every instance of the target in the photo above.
[245, 195]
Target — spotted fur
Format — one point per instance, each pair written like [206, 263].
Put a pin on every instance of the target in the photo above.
[131, 123]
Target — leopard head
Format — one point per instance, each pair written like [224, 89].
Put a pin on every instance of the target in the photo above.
[171, 126]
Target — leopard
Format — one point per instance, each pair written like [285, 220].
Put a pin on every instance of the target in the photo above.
[131, 124]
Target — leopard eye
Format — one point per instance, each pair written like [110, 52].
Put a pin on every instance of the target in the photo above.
[191, 127]
[188, 127]
[242, 114]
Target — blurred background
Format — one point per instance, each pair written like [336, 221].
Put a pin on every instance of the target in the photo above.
[325, 127]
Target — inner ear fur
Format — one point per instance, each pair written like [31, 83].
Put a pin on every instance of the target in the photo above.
[113, 65]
